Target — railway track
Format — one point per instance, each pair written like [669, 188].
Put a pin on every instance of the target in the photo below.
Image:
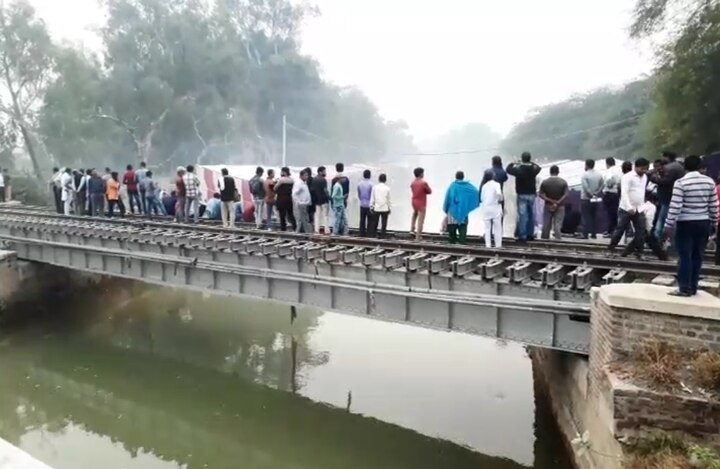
[567, 245]
[566, 262]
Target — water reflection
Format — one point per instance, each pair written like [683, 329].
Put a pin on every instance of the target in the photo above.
[160, 379]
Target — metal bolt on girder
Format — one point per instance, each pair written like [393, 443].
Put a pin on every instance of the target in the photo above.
[552, 274]
[437, 264]
[581, 278]
[352, 256]
[372, 257]
[519, 271]
[464, 266]
[615, 276]
[492, 269]
[333, 254]
[416, 262]
[393, 260]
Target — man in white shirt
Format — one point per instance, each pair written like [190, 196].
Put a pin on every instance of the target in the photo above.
[301, 202]
[611, 193]
[68, 190]
[632, 206]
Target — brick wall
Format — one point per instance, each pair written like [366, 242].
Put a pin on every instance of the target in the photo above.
[641, 412]
[617, 331]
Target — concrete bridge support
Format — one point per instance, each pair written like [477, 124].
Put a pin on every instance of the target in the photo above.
[603, 396]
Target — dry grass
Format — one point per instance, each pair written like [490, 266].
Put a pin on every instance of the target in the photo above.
[661, 460]
[707, 370]
[659, 362]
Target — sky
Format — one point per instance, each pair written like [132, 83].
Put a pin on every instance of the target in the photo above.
[439, 64]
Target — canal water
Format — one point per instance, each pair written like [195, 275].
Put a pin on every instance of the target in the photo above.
[136, 377]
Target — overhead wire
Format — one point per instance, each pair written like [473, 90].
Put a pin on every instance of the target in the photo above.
[473, 150]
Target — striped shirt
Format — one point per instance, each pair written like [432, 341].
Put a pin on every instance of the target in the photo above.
[693, 199]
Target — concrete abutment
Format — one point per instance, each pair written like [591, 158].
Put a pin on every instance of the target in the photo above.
[602, 397]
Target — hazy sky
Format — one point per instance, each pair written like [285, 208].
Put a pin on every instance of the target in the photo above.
[441, 63]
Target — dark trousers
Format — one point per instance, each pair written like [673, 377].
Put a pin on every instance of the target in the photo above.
[111, 207]
[589, 218]
[457, 234]
[691, 238]
[2, 193]
[611, 201]
[639, 226]
[285, 212]
[143, 202]
[365, 217]
[134, 201]
[57, 195]
[379, 219]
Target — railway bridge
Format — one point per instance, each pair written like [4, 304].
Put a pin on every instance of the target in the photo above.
[536, 295]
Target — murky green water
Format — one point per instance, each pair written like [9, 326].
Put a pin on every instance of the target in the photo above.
[141, 378]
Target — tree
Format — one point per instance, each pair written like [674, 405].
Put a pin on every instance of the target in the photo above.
[651, 16]
[601, 123]
[687, 95]
[66, 123]
[26, 60]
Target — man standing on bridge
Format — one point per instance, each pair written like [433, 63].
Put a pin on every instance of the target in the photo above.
[632, 200]
[525, 174]
[693, 214]
[461, 198]
[420, 190]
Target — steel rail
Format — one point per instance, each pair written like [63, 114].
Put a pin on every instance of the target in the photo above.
[528, 254]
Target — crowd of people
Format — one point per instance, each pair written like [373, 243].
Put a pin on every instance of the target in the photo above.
[648, 206]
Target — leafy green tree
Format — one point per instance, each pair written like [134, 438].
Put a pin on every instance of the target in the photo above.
[67, 123]
[26, 60]
[686, 116]
[601, 123]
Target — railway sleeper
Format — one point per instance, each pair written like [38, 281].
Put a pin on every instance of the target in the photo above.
[552, 274]
[520, 271]
[492, 269]
[464, 266]
[371, 257]
[616, 276]
[416, 262]
[352, 256]
[393, 260]
[438, 263]
[581, 278]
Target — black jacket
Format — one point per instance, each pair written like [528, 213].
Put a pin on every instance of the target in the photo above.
[229, 190]
[319, 190]
[525, 177]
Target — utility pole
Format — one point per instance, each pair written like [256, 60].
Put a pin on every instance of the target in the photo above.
[284, 141]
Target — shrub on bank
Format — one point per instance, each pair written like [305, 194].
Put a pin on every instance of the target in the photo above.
[30, 191]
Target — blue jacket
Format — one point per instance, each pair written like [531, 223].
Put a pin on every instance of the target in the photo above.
[461, 198]
[500, 175]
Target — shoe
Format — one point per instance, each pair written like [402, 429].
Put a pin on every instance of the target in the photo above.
[593, 237]
[681, 294]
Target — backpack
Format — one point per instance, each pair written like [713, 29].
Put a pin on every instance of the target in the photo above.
[257, 189]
